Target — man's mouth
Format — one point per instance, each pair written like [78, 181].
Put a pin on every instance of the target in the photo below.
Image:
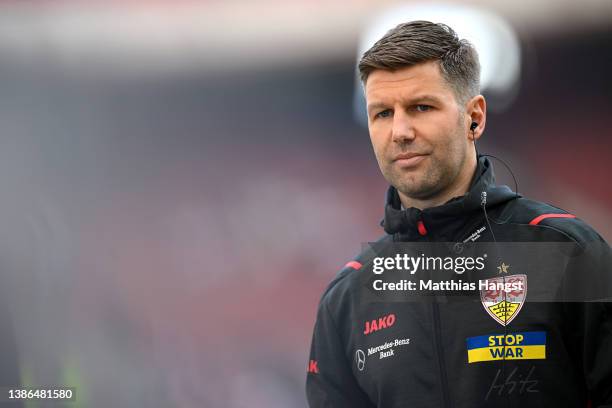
[409, 159]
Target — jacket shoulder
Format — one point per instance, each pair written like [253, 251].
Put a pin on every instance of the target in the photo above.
[348, 278]
[537, 214]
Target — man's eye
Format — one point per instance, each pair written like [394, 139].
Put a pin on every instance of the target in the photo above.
[383, 114]
[422, 108]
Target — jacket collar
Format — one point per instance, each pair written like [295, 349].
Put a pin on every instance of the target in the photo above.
[447, 220]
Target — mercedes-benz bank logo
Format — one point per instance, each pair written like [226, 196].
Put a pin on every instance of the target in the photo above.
[360, 359]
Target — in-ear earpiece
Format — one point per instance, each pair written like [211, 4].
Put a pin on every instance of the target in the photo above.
[473, 126]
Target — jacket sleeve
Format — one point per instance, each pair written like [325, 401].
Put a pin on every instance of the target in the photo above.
[590, 336]
[330, 382]
[589, 318]
[598, 353]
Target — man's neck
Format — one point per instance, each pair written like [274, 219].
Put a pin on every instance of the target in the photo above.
[457, 189]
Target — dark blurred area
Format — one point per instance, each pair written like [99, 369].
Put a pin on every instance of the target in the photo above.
[165, 238]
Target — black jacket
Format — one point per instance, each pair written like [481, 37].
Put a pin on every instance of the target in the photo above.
[390, 354]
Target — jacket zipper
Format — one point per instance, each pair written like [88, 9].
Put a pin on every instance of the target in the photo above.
[437, 331]
[440, 352]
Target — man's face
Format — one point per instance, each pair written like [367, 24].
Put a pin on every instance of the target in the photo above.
[417, 129]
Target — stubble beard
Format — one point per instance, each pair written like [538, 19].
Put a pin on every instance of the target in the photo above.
[435, 176]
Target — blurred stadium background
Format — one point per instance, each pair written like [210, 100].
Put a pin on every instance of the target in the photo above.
[180, 181]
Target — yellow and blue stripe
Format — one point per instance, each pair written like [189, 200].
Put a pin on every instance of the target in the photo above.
[510, 346]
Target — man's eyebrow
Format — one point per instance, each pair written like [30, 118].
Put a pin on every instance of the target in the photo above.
[424, 98]
[376, 105]
[411, 101]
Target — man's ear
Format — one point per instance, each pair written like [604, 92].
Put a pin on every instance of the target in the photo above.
[476, 112]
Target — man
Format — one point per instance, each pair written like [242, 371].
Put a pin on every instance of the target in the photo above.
[425, 113]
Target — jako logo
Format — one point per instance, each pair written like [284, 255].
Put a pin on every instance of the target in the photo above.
[312, 367]
[382, 323]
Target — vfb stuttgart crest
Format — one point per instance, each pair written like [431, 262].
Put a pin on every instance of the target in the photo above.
[503, 306]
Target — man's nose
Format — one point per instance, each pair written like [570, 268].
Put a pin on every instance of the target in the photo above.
[403, 130]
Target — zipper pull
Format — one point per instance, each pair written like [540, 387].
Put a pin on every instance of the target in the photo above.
[421, 228]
